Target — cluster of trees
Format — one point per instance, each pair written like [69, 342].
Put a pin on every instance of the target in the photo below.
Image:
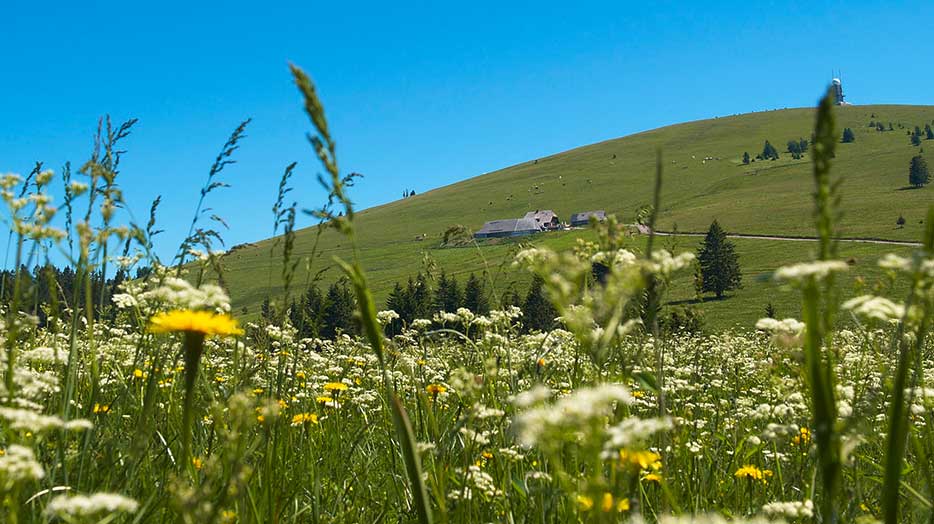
[917, 134]
[406, 193]
[797, 148]
[768, 152]
[47, 290]
[848, 135]
[880, 127]
[317, 314]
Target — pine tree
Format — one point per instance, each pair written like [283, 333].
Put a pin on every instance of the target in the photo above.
[537, 312]
[397, 302]
[848, 135]
[745, 157]
[475, 296]
[928, 132]
[915, 140]
[803, 145]
[918, 175]
[338, 311]
[769, 152]
[312, 312]
[719, 262]
[447, 294]
[419, 298]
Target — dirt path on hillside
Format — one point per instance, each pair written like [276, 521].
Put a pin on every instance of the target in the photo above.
[644, 230]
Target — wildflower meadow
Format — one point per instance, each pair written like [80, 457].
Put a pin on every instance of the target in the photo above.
[154, 402]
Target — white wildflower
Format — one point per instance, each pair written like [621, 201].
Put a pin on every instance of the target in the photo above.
[818, 270]
[66, 506]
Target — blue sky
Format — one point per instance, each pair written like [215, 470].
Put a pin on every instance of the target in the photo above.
[419, 95]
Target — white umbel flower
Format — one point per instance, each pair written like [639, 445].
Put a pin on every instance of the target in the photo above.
[18, 464]
[818, 270]
[875, 308]
[86, 505]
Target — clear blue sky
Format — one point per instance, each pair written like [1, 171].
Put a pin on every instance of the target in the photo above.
[419, 95]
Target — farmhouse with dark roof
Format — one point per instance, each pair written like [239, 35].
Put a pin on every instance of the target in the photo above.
[583, 218]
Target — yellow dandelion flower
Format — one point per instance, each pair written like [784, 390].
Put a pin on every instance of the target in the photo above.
[752, 472]
[652, 477]
[303, 418]
[584, 502]
[101, 409]
[197, 463]
[487, 455]
[606, 502]
[803, 438]
[138, 373]
[435, 389]
[300, 374]
[622, 505]
[204, 322]
[641, 459]
[324, 399]
[335, 386]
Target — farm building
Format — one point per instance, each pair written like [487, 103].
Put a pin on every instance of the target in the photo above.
[545, 218]
[583, 218]
[510, 227]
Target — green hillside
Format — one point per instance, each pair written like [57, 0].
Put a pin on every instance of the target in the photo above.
[704, 179]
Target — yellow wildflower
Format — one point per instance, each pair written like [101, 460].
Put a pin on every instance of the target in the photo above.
[324, 399]
[197, 463]
[652, 477]
[584, 502]
[303, 418]
[802, 438]
[101, 408]
[138, 373]
[435, 389]
[752, 472]
[204, 322]
[335, 386]
[641, 459]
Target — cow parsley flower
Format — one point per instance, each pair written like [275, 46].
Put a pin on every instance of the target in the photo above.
[70, 506]
[875, 308]
[18, 464]
[817, 270]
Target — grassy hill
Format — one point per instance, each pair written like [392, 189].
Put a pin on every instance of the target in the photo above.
[704, 179]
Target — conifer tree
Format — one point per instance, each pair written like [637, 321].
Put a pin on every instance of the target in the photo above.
[918, 175]
[419, 294]
[537, 312]
[397, 301]
[719, 262]
[475, 296]
[848, 135]
[928, 132]
[338, 311]
[745, 157]
[447, 295]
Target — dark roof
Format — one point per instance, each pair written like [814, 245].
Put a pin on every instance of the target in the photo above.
[584, 216]
[509, 225]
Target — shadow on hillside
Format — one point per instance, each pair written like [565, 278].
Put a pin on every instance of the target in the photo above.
[909, 188]
[703, 300]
